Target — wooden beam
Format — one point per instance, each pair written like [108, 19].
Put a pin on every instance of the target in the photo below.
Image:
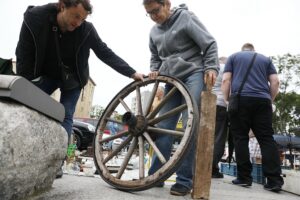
[205, 146]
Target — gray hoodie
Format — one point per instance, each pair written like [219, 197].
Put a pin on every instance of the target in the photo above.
[182, 45]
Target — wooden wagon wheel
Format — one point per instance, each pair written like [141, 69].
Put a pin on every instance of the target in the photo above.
[115, 166]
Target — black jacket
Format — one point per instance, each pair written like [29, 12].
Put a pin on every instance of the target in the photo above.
[32, 46]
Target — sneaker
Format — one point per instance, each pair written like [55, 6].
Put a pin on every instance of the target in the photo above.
[59, 173]
[217, 175]
[272, 187]
[241, 182]
[179, 190]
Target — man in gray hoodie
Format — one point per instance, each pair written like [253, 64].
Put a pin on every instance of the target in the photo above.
[181, 47]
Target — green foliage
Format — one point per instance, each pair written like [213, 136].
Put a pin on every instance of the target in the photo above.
[118, 117]
[96, 111]
[296, 131]
[287, 115]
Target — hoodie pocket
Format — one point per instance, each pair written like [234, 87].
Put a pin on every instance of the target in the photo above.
[177, 67]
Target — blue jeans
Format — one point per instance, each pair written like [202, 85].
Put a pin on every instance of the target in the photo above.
[113, 129]
[68, 99]
[194, 84]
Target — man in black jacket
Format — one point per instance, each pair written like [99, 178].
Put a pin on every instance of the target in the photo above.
[53, 51]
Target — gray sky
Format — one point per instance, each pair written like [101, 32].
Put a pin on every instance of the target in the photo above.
[271, 25]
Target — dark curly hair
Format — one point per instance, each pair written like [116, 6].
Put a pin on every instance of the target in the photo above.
[70, 3]
[146, 2]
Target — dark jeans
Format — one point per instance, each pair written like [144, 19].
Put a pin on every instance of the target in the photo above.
[68, 98]
[220, 136]
[255, 113]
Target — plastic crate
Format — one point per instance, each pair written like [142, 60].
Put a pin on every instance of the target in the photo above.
[286, 167]
[228, 169]
[257, 174]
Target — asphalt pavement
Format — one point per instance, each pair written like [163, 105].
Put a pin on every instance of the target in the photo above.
[71, 187]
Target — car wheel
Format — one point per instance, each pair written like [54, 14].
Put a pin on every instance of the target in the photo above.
[77, 140]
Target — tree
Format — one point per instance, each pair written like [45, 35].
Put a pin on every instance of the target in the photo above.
[287, 115]
[96, 111]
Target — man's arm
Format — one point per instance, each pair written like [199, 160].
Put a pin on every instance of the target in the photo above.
[106, 55]
[274, 85]
[197, 31]
[155, 61]
[25, 53]
[226, 82]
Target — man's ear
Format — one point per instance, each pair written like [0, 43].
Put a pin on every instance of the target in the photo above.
[61, 6]
[168, 3]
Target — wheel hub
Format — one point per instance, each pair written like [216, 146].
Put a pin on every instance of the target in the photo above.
[137, 123]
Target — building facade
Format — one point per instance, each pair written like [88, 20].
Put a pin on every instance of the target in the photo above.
[145, 97]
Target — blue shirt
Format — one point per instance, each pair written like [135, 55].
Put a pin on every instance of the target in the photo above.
[257, 82]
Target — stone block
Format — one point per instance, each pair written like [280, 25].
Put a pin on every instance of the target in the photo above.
[32, 147]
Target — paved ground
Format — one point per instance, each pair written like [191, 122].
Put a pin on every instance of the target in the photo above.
[92, 188]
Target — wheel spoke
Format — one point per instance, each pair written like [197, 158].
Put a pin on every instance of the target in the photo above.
[118, 135]
[139, 101]
[141, 158]
[160, 105]
[117, 150]
[151, 98]
[165, 131]
[127, 157]
[167, 114]
[125, 105]
[156, 150]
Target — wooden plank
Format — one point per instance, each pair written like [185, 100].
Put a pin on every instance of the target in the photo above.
[205, 146]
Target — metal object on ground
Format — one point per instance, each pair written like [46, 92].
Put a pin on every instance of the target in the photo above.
[141, 121]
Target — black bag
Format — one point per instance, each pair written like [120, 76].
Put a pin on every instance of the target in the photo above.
[233, 105]
[6, 67]
[68, 77]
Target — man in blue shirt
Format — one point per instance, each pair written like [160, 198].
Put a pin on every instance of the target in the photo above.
[255, 112]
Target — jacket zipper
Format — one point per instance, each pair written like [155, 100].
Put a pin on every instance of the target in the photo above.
[77, 52]
[77, 71]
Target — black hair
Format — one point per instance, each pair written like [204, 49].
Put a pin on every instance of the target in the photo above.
[70, 3]
[146, 2]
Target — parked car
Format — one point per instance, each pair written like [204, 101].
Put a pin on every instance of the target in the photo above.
[83, 134]
[92, 121]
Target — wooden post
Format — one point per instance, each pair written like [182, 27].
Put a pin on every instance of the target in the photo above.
[205, 145]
